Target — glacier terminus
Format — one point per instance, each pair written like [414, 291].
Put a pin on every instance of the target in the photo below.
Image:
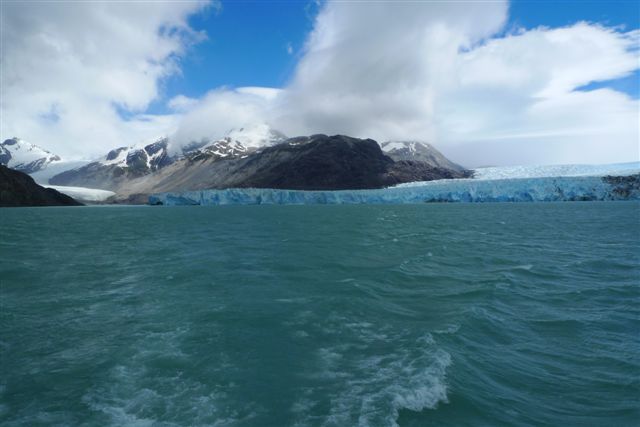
[582, 183]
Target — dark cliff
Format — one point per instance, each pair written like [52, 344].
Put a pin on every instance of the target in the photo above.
[19, 189]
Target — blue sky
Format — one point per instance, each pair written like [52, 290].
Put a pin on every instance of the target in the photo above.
[248, 41]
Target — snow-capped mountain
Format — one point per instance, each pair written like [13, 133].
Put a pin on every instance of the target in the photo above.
[258, 156]
[126, 163]
[221, 149]
[316, 162]
[21, 155]
[236, 142]
[149, 158]
[419, 152]
[118, 166]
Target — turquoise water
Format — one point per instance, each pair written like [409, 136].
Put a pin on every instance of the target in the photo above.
[417, 315]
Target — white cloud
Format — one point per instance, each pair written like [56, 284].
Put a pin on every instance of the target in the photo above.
[515, 100]
[373, 69]
[442, 72]
[224, 109]
[69, 66]
[182, 103]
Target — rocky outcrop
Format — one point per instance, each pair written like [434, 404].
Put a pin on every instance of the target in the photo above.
[19, 189]
[624, 186]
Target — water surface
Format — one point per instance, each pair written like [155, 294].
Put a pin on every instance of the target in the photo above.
[423, 315]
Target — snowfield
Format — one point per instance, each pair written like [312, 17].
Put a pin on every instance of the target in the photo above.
[506, 172]
[548, 171]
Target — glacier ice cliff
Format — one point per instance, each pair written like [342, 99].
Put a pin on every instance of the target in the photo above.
[539, 189]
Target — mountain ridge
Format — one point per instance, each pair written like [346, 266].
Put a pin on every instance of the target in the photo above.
[258, 156]
[317, 162]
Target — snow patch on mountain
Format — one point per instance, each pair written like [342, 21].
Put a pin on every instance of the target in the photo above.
[238, 142]
[256, 136]
[225, 147]
[395, 145]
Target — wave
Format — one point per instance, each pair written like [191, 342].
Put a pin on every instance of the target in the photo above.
[370, 380]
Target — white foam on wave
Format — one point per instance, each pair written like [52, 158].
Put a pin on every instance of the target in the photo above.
[372, 377]
[136, 393]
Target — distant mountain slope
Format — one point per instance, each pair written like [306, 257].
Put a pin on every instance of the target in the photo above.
[23, 156]
[419, 152]
[19, 189]
[318, 162]
[123, 165]
[118, 166]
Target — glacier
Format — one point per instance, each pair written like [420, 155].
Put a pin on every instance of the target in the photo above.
[82, 193]
[547, 171]
[536, 189]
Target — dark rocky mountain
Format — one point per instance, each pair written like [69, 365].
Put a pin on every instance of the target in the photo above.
[24, 156]
[318, 162]
[118, 167]
[19, 189]
[418, 152]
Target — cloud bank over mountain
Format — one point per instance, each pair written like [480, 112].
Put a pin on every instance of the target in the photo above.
[447, 73]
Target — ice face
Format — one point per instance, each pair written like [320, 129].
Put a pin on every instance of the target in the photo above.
[458, 190]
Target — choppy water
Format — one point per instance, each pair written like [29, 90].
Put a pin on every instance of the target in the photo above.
[478, 315]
